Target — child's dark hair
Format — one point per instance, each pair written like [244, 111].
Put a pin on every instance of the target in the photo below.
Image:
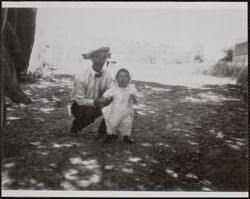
[123, 70]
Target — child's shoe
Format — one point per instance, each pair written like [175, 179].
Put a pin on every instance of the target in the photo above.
[114, 137]
[128, 140]
[108, 139]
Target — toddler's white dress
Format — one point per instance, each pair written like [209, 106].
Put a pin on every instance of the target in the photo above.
[119, 114]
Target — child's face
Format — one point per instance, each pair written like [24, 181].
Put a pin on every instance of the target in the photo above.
[123, 79]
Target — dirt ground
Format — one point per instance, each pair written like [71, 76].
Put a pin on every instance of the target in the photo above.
[185, 140]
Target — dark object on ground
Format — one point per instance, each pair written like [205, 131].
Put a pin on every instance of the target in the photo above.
[243, 91]
[241, 86]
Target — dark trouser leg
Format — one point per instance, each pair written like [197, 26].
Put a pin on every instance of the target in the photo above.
[84, 115]
[102, 128]
[74, 127]
[75, 113]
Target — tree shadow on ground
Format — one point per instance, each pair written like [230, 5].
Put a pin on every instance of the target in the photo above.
[187, 139]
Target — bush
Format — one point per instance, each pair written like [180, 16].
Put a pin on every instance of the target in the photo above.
[31, 77]
[228, 55]
[224, 69]
[198, 59]
[43, 72]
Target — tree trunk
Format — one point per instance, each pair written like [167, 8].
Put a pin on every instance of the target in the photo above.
[18, 32]
[2, 72]
[12, 87]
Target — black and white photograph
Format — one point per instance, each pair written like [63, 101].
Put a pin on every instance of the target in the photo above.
[109, 99]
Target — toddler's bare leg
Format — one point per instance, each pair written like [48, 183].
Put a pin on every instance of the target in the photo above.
[111, 131]
[125, 128]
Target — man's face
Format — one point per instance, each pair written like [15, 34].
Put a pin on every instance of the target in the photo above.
[99, 61]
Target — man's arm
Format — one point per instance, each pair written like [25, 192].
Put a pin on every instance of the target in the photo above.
[105, 95]
[110, 82]
[106, 98]
[80, 94]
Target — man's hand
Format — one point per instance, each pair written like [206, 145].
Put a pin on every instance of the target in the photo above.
[102, 101]
[101, 92]
[108, 102]
[98, 102]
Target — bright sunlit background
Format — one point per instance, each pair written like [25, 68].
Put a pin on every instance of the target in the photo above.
[151, 40]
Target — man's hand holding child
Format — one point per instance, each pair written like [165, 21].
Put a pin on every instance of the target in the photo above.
[98, 102]
[102, 101]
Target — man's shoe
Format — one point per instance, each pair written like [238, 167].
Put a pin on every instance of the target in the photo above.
[102, 129]
[128, 140]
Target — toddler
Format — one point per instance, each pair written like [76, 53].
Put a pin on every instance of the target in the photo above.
[119, 114]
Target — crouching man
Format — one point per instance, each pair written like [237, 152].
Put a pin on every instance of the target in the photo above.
[88, 87]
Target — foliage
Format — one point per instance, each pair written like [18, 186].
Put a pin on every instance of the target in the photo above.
[31, 77]
[224, 69]
[198, 58]
[42, 72]
[228, 55]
